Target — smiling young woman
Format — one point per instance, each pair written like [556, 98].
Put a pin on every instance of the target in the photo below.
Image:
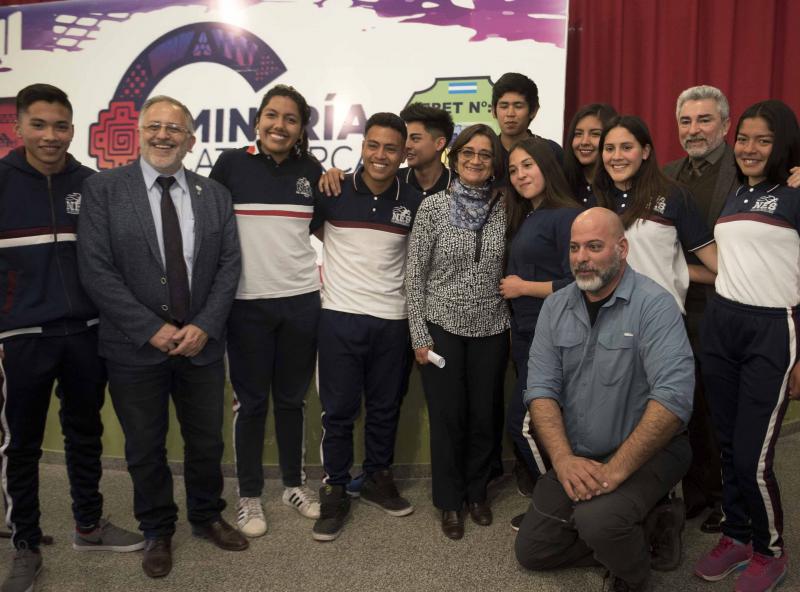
[540, 211]
[750, 337]
[272, 328]
[583, 138]
[660, 217]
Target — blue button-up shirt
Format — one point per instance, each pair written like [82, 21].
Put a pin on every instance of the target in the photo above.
[179, 192]
[603, 376]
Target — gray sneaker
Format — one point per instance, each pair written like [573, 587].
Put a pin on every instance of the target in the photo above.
[25, 566]
[107, 537]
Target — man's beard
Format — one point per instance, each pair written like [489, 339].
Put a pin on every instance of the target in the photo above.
[601, 278]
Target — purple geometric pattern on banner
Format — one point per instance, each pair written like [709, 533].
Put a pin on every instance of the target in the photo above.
[69, 25]
[112, 140]
[539, 20]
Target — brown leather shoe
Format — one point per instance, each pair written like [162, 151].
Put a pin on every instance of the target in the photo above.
[452, 524]
[157, 560]
[481, 513]
[222, 534]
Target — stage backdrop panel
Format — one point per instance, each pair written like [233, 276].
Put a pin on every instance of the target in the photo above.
[349, 58]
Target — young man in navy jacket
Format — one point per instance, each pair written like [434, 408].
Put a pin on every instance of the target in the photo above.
[48, 334]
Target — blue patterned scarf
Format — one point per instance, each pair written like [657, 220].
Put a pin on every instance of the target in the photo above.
[469, 206]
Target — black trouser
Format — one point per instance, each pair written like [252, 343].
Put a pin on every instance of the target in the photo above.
[702, 485]
[556, 532]
[360, 354]
[31, 365]
[272, 345]
[141, 399]
[461, 403]
[748, 352]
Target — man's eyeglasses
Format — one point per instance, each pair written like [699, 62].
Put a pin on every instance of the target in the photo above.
[172, 129]
[469, 154]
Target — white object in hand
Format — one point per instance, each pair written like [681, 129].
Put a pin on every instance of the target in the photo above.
[435, 359]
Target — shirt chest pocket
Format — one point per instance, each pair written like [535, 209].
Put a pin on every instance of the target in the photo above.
[614, 357]
[570, 344]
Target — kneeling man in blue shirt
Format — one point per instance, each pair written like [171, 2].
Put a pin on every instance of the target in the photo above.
[610, 382]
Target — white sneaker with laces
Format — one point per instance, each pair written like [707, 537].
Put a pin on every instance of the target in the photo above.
[250, 517]
[303, 500]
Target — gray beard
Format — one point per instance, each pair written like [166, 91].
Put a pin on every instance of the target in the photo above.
[602, 279]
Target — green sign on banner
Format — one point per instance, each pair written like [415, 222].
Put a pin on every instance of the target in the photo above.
[468, 100]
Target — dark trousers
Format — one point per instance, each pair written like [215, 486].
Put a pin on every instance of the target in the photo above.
[748, 352]
[519, 423]
[31, 365]
[272, 345]
[556, 532]
[360, 354]
[460, 400]
[141, 399]
[702, 485]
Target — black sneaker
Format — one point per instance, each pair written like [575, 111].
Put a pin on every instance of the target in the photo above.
[380, 491]
[334, 507]
[526, 480]
[663, 528]
[516, 521]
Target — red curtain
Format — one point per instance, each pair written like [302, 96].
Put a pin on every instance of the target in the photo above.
[639, 55]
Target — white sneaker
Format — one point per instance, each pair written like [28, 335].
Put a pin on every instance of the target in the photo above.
[303, 500]
[250, 517]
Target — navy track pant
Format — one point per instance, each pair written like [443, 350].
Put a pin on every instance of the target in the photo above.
[360, 354]
[31, 365]
[748, 352]
[272, 346]
[519, 423]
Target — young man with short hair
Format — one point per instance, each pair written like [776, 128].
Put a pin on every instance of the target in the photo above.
[48, 334]
[430, 131]
[364, 341]
[515, 104]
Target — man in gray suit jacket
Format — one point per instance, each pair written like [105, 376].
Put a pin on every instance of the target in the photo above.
[159, 255]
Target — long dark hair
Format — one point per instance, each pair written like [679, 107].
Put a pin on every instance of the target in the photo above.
[573, 170]
[647, 184]
[290, 92]
[556, 193]
[782, 122]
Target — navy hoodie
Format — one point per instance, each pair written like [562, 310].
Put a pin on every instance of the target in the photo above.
[40, 292]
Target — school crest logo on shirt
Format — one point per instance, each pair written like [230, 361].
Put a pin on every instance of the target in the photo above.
[73, 203]
[401, 215]
[303, 187]
[767, 203]
[660, 205]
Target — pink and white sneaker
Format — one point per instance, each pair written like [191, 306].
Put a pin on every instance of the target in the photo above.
[764, 573]
[729, 555]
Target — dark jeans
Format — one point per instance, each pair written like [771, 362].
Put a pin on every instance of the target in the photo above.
[30, 367]
[461, 403]
[556, 532]
[272, 346]
[141, 395]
